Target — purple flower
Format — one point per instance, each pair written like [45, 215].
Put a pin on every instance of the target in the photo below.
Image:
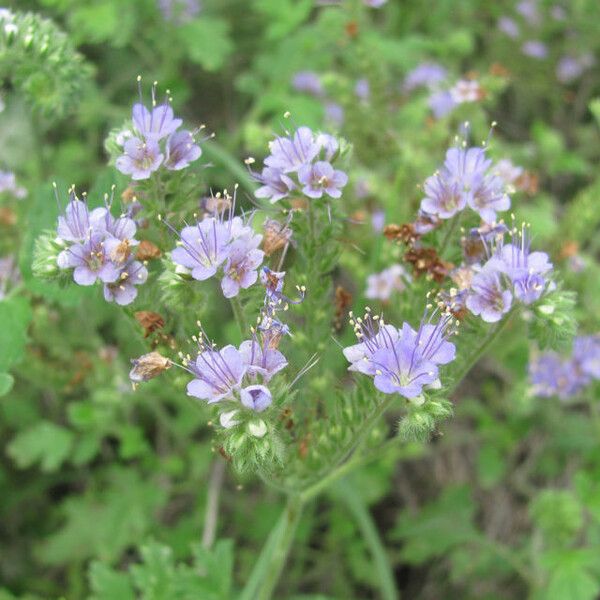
[74, 225]
[426, 74]
[334, 113]
[289, 154]
[535, 49]
[380, 286]
[507, 171]
[508, 26]
[443, 198]
[374, 3]
[8, 184]
[154, 125]
[9, 274]
[525, 269]
[374, 335]
[441, 103]
[256, 397]
[217, 374]
[276, 185]
[124, 290]
[465, 90]
[203, 247]
[141, 158]
[488, 296]
[89, 261]
[240, 271]
[179, 11]
[309, 82]
[262, 359]
[181, 150]
[362, 89]
[586, 354]
[329, 144]
[322, 178]
[528, 9]
[550, 375]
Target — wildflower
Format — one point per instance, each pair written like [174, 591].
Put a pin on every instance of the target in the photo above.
[217, 373]
[441, 103]
[322, 178]
[256, 397]
[240, 271]
[570, 68]
[181, 150]
[141, 158]
[410, 362]
[378, 221]
[550, 375]
[9, 274]
[179, 11]
[124, 291]
[308, 82]
[156, 124]
[586, 354]
[334, 113]
[89, 261]
[362, 89]
[374, 3]
[488, 296]
[262, 358]
[525, 269]
[443, 198]
[529, 10]
[8, 184]
[374, 335]
[148, 366]
[203, 247]
[276, 185]
[382, 285]
[509, 27]
[426, 74]
[535, 49]
[289, 154]
[507, 171]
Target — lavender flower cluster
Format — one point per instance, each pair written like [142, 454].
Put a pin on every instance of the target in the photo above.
[565, 377]
[466, 179]
[512, 272]
[302, 161]
[154, 140]
[237, 378]
[221, 245]
[98, 247]
[402, 361]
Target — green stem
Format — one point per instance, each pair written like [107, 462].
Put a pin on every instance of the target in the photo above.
[272, 559]
[449, 233]
[482, 349]
[346, 493]
[238, 313]
[343, 465]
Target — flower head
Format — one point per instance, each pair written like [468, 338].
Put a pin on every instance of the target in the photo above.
[322, 178]
[488, 296]
[290, 153]
[426, 74]
[141, 158]
[124, 290]
[240, 270]
[181, 150]
[381, 285]
[256, 397]
[308, 82]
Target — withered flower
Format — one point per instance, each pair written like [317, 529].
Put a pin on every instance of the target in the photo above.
[148, 251]
[148, 366]
[275, 236]
[425, 261]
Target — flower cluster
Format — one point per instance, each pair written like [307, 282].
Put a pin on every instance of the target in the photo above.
[223, 245]
[8, 184]
[511, 272]
[302, 161]
[237, 378]
[402, 361]
[565, 377]
[154, 140]
[466, 179]
[98, 247]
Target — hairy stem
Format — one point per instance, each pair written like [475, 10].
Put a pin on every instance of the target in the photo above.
[238, 313]
[449, 233]
[273, 556]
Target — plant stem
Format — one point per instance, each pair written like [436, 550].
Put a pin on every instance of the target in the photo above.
[481, 349]
[448, 236]
[272, 559]
[221, 155]
[345, 492]
[238, 313]
[217, 476]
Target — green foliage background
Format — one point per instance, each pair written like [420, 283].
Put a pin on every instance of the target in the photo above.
[103, 489]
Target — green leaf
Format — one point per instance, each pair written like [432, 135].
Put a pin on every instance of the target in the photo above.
[45, 442]
[491, 465]
[571, 582]
[6, 383]
[15, 315]
[207, 42]
[108, 584]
